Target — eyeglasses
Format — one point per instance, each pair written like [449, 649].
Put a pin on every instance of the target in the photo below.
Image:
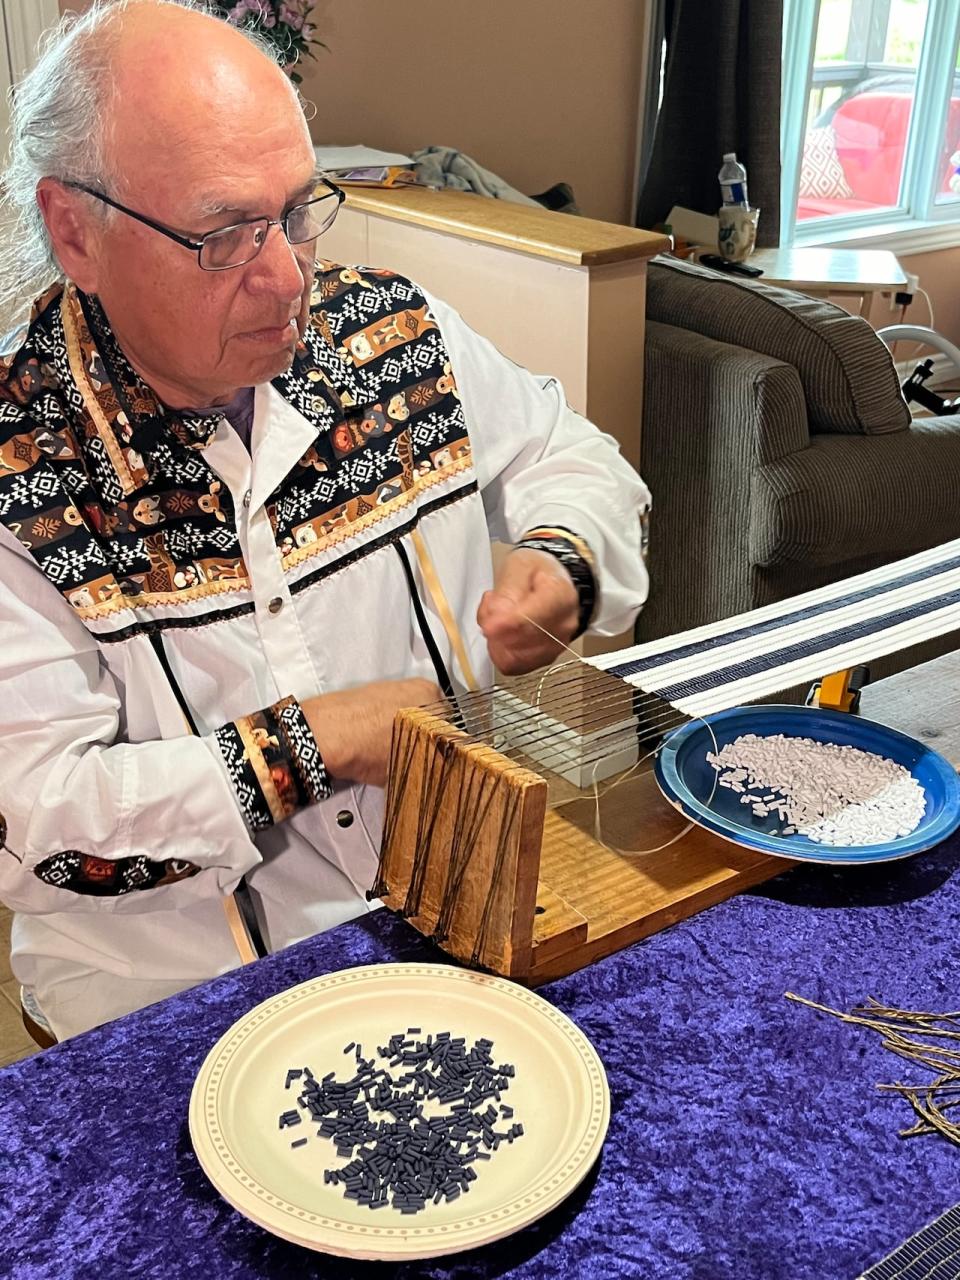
[238, 244]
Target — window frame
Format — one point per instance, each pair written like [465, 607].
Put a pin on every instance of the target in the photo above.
[22, 22]
[918, 223]
[25, 21]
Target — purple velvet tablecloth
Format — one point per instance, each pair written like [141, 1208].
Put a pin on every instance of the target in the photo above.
[747, 1139]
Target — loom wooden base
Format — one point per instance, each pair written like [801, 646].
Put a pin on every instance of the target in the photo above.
[595, 902]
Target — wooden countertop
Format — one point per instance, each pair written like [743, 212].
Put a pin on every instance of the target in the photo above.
[540, 232]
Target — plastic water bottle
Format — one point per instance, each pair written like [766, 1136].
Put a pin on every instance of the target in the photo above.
[733, 181]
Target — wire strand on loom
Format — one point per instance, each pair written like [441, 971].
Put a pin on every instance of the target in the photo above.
[605, 746]
[600, 705]
[476, 706]
[560, 703]
[601, 748]
[633, 724]
[598, 832]
[609, 691]
[618, 717]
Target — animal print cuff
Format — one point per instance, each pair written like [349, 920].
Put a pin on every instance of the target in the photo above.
[577, 558]
[274, 763]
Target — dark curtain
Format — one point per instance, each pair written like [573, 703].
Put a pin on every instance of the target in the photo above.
[721, 92]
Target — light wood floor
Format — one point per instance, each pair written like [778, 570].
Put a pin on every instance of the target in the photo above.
[14, 1041]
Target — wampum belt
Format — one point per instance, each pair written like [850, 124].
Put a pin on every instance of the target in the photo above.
[805, 637]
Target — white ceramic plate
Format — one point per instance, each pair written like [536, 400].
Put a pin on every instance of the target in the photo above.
[559, 1094]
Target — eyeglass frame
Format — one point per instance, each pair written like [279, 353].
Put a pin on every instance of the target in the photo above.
[196, 245]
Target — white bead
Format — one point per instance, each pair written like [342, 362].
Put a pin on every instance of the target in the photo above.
[832, 794]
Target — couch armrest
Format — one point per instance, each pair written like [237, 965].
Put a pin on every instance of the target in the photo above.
[714, 414]
[723, 396]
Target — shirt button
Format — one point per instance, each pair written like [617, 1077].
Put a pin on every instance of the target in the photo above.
[276, 604]
[246, 498]
[344, 818]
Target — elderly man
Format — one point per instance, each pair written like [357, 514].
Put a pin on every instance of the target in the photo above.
[240, 498]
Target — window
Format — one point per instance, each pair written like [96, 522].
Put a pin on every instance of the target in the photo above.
[22, 22]
[871, 122]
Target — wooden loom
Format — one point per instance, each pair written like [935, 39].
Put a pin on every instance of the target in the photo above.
[488, 843]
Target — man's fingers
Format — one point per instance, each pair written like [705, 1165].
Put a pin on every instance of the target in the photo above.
[515, 659]
[527, 614]
[497, 613]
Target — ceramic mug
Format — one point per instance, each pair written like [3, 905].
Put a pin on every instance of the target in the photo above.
[738, 232]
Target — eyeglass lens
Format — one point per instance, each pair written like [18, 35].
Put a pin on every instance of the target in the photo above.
[234, 246]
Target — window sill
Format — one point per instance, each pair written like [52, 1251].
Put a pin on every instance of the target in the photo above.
[906, 237]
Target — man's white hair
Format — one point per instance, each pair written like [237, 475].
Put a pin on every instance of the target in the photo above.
[60, 122]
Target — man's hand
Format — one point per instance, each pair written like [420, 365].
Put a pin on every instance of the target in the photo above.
[529, 584]
[353, 728]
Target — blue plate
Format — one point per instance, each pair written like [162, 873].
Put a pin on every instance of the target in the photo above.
[686, 779]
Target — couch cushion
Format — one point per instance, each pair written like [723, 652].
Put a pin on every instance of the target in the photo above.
[847, 374]
[843, 501]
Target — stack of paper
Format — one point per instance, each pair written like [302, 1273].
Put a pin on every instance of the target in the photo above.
[365, 165]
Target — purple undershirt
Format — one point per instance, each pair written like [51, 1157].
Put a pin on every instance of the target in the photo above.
[238, 412]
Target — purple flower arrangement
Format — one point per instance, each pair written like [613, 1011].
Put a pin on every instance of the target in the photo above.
[282, 22]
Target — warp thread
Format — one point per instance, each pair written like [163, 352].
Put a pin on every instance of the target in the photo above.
[597, 794]
[434, 587]
[437, 781]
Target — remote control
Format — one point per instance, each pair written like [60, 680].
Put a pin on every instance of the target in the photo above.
[723, 264]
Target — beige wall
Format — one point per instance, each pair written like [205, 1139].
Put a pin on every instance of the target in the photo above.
[940, 275]
[539, 91]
